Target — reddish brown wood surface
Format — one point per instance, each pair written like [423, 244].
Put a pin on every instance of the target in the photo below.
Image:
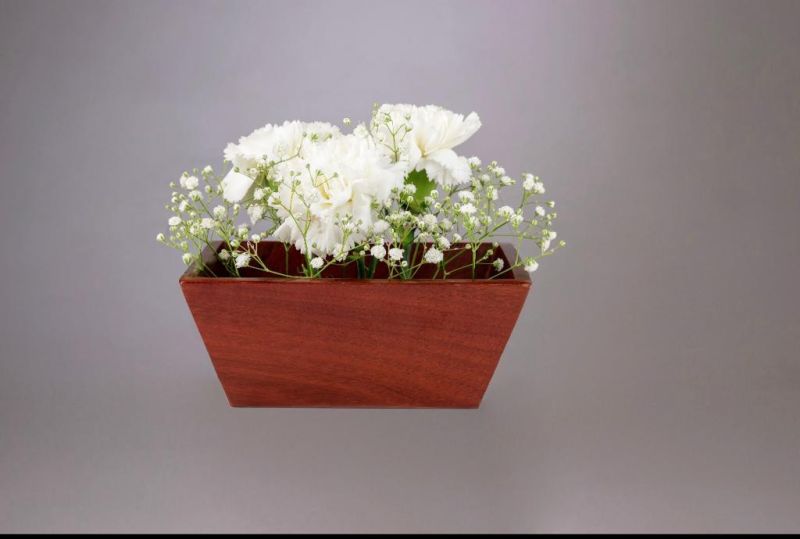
[355, 343]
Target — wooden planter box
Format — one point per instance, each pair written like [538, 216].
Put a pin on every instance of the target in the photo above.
[344, 342]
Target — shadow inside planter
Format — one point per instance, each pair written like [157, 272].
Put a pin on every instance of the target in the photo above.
[290, 262]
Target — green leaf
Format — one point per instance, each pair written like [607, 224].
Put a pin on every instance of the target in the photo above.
[420, 180]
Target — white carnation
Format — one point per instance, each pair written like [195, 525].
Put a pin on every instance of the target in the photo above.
[273, 143]
[434, 132]
[269, 144]
[347, 175]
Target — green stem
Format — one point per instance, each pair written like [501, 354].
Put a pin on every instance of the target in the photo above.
[372, 267]
[361, 268]
[407, 240]
[473, 262]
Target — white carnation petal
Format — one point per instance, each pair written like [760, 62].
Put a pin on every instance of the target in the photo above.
[235, 186]
[447, 168]
[466, 129]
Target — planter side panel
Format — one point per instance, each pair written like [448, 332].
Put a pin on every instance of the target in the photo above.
[354, 344]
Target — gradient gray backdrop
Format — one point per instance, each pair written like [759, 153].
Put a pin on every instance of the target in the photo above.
[653, 380]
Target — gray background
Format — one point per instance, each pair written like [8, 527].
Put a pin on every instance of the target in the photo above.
[653, 380]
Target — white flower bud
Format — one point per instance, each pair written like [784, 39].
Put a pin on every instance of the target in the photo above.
[189, 182]
[467, 209]
[465, 196]
[242, 260]
[505, 212]
[378, 251]
[433, 256]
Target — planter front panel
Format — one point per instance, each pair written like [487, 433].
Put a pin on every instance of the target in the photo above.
[351, 343]
[345, 343]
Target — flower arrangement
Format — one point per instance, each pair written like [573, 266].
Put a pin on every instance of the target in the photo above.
[390, 199]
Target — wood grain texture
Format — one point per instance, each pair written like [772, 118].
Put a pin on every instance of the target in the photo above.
[342, 342]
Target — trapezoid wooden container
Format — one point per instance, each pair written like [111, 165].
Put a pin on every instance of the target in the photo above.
[345, 342]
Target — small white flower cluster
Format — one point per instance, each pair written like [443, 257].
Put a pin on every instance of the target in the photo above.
[392, 194]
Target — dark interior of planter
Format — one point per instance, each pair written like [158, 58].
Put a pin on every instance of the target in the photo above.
[275, 256]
